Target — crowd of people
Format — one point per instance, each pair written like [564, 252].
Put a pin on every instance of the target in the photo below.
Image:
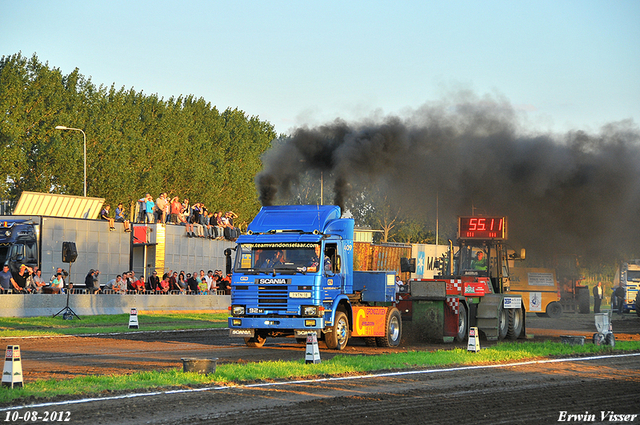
[30, 281]
[197, 219]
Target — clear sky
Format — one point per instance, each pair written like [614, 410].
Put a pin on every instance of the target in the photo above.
[563, 65]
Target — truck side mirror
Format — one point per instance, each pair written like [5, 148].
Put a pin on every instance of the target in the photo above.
[408, 265]
[227, 254]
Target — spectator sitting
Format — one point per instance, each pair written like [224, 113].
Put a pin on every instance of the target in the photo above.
[57, 284]
[163, 287]
[38, 282]
[104, 214]
[120, 218]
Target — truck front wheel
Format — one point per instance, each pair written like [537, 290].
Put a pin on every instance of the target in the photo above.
[393, 330]
[338, 337]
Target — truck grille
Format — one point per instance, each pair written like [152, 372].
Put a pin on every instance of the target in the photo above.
[273, 297]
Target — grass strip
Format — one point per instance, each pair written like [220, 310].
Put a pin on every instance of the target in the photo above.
[50, 326]
[233, 374]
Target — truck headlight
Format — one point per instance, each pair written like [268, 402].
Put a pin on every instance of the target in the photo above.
[237, 310]
[311, 310]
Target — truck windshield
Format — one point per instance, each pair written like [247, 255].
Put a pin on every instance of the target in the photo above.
[300, 257]
[472, 260]
[633, 276]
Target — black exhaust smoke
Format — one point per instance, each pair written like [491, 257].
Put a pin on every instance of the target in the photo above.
[573, 192]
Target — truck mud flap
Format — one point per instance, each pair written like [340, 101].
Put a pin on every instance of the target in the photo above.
[487, 315]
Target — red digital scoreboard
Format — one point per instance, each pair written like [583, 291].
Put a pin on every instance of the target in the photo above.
[482, 227]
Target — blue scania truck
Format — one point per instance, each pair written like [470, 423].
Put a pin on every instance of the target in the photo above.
[293, 275]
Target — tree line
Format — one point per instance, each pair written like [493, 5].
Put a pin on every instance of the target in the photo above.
[136, 143]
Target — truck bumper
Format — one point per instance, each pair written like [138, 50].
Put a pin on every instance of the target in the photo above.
[275, 323]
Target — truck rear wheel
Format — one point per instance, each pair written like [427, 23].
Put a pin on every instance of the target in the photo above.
[554, 310]
[463, 324]
[338, 337]
[255, 342]
[503, 323]
[515, 323]
[392, 330]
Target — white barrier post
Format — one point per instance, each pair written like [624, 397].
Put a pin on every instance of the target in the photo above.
[474, 340]
[133, 319]
[312, 352]
[12, 373]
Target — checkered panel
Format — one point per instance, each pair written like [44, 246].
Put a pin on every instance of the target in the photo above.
[457, 285]
[454, 304]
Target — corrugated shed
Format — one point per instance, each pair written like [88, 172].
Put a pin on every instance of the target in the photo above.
[53, 205]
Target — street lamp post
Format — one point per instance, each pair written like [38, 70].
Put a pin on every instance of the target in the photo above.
[62, 127]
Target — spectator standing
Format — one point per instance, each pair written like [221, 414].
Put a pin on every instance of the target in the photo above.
[597, 297]
[20, 280]
[182, 282]
[618, 294]
[192, 282]
[150, 206]
[114, 285]
[5, 279]
[153, 281]
[121, 219]
[161, 208]
[176, 210]
[89, 282]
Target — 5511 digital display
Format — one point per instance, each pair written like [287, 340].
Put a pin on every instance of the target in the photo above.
[482, 227]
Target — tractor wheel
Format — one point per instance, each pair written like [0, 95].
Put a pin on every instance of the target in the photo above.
[255, 342]
[515, 323]
[503, 323]
[609, 339]
[463, 324]
[554, 310]
[597, 339]
[392, 330]
[339, 336]
[583, 300]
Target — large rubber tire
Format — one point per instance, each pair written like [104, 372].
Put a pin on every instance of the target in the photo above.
[503, 323]
[597, 339]
[255, 342]
[583, 300]
[609, 339]
[463, 324]
[338, 338]
[554, 310]
[392, 329]
[516, 323]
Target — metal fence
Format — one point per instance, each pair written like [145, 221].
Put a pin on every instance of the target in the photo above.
[6, 207]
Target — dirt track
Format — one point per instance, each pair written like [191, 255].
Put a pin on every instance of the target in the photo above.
[518, 394]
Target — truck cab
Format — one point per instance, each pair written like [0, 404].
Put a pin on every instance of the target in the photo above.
[18, 244]
[293, 274]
